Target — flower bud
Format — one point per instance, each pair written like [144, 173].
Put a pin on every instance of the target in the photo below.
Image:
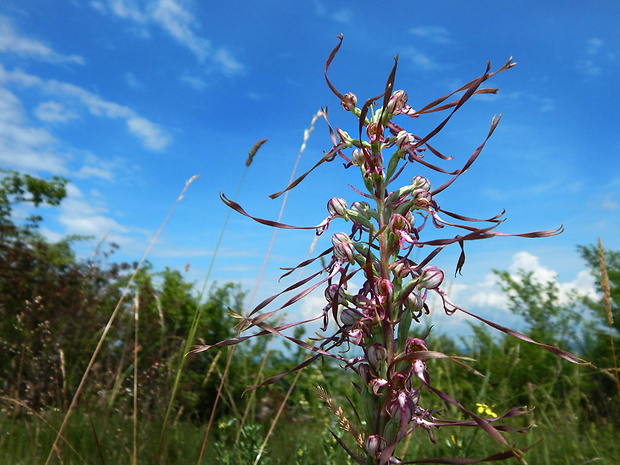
[344, 251]
[340, 237]
[365, 373]
[376, 354]
[349, 317]
[374, 445]
[400, 270]
[344, 137]
[404, 140]
[334, 291]
[357, 157]
[420, 182]
[362, 208]
[414, 302]
[431, 277]
[384, 288]
[349, 102]
[337, 207]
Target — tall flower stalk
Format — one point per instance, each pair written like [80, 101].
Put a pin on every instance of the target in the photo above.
[387, 224]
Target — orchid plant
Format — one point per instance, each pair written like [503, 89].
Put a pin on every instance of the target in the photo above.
[387, 225]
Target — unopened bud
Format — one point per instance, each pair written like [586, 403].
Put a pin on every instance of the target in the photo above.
[340, 237]
[349, 317]
[334, 291]
[420, 182]
[344, 251]
[431, 277]
[374, 445]
[337, 207]
[357, 157]
[362, 208]
[404, 140]
[414, 302]
[344, 137]
[384, 288]
[376, 354]
[400, 270]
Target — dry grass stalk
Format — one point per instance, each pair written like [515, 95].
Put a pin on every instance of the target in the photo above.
[135, 380]
[607, 305]
[111, 320]
[345, 424]
[232, 351]
[198, 314]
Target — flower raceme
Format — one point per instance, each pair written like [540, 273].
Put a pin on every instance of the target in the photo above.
[386, 225]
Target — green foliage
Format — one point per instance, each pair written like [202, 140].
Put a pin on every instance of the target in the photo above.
[23, 188]
[53, 307]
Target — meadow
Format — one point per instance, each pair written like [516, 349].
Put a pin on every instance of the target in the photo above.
[107, 362]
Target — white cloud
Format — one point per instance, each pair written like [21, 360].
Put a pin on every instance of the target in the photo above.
[488, 294]
[227, 62]
[589, 67]
[591, 64]
[54, 112]
[81, 217]
[594, 45]
[126, 9]
[419, 59]
[178, 22]
[436, 34]
[341, 16]
[194, 81]
[73, 97]
[13, 43]
[151, 134]
[132, 81]
[24, 147]
[608, 203]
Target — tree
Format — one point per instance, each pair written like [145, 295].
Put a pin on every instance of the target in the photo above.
[23, 188]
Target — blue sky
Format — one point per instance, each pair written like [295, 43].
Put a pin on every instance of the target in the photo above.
[131, 98]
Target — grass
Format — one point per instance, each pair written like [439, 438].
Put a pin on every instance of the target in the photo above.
[562, 429]
[26, 438]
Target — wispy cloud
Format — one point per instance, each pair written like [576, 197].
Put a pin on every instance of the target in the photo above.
[436, 34]
[607, 202]
[150, 133]
[75, 98]
[28, 148]
[590, 64]
[420, 59]
[340, 15]
[54, 112]
[179, 23]
[132, 81]
[23, 146]
[82, 216]
[11, 42]
[194, 81]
